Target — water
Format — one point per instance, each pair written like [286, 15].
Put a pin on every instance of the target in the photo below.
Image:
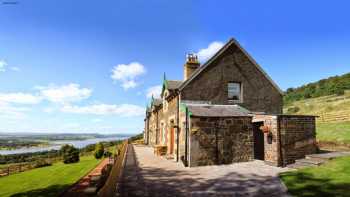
[56, 145]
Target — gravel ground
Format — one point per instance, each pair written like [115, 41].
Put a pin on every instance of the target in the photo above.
[148, 175]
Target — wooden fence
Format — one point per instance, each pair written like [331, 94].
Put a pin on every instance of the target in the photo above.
[21, 167]
[110, 187]
[339, 116]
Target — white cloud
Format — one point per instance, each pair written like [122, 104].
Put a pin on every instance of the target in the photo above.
[19, 98]
[155, 91]
[126, 110]
[65, 94]
[96, 120]
[49, 109]
[127, 74]
[15, 68]
[8, 111]
[129, 84]
[72, 125]
[3, 64]
[205, 54]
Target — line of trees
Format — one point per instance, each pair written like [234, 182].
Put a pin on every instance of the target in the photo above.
[33, 157]
[330, 86]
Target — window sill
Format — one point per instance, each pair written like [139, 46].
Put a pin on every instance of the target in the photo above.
[235, 101]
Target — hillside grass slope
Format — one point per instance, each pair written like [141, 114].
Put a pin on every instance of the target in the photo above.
[333, 123]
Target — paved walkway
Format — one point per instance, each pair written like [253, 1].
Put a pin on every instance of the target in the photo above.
[148, 175]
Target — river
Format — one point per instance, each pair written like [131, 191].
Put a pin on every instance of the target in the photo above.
[56, 145]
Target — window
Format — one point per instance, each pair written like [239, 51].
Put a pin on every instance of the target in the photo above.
[234, 91]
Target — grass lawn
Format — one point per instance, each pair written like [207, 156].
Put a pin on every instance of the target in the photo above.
[334, 132]
[330, 179]
[46, 181]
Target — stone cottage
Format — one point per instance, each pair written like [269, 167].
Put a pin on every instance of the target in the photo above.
[226, 110]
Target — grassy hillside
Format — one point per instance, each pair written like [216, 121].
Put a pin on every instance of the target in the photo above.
[333, 125]
[318, 106]
[46, 181]
[333, 85]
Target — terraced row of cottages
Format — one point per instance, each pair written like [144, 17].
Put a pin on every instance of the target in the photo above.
[226, 110]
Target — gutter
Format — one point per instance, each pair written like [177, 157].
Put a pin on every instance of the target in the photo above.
[177, 128]
[186, 139]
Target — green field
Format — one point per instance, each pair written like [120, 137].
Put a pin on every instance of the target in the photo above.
[330, 179]
[46, 181]
[334, 132]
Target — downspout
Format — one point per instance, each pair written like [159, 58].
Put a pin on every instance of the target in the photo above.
[147, 130]
[280, 162]
[177, 128]
[157, 133]
[186, 138]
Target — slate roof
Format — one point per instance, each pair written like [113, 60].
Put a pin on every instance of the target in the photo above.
[173, 84]
[205, 110]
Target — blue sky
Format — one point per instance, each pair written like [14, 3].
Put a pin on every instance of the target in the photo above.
[88, 66]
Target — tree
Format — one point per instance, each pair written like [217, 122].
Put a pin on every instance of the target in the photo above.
[70, 154]
[99, 150]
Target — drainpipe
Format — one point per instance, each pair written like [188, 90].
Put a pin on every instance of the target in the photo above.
[157, 135]
[147, 130]
[186, 138]
[177, 128]
[280, 160]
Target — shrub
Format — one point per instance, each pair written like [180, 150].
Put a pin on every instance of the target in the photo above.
[42, 163]
[99, 150]
[107, 154]
[293, 110]
[70, 154]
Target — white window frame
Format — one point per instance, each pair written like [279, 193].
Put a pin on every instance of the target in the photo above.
[240, 99]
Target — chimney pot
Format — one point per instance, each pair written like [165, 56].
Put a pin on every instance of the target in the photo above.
[191, 65]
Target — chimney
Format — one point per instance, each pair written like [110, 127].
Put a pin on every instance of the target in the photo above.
[191, 65]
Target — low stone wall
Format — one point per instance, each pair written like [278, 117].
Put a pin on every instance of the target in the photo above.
[221, 140]
[298, 137]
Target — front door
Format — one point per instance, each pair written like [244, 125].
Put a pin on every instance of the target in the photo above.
[172, 140]
[258, 141]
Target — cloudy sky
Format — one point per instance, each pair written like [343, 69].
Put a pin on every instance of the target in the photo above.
[91, 66]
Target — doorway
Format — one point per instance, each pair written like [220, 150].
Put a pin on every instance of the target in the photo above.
[259, 151]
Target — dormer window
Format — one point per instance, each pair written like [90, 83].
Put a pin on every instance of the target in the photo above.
[234, 92]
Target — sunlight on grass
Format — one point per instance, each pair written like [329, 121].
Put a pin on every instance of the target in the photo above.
[334, 132]
[46, 181]
[331, 179]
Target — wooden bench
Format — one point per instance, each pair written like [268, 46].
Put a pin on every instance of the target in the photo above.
[160, 150]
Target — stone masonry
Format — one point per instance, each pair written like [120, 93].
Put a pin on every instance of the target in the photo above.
[220, 140]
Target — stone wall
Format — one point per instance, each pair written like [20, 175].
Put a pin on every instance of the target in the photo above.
[220, 140]
[154, 126]
[259, 95]
[298, 137]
